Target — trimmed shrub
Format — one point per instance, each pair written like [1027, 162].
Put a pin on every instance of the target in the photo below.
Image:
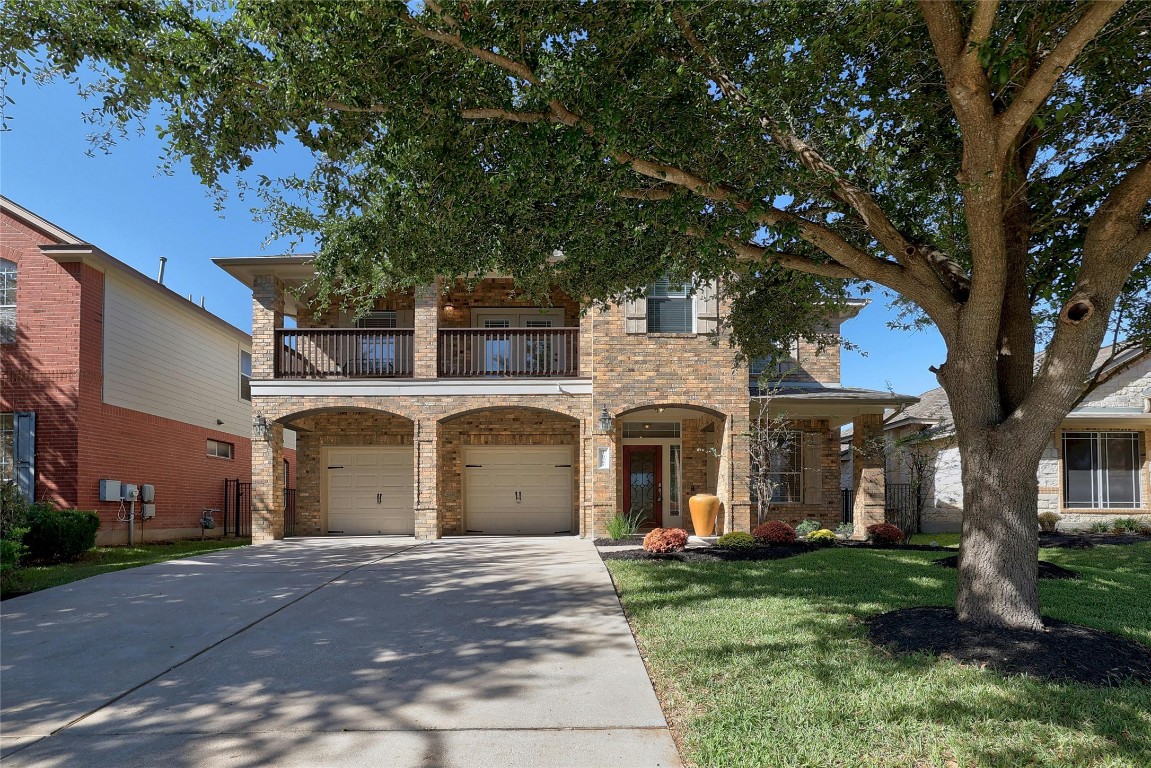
[884, 533]
[60, 534]
[806, 527]
[775, 532]
[823, 537]
[1099, 527]
[736, 540]
[664, 540]
[1048, 521]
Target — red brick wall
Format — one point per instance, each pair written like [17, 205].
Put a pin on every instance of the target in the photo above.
[40, 372]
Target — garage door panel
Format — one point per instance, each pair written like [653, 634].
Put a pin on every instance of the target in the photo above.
[370, 491]
[494, 475]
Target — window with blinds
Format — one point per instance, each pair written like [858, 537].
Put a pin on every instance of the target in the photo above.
[669, 307]
[384, 319]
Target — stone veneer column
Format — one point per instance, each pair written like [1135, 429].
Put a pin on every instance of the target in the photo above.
[425, 342]
[587, 345]
[741, 515]
[267, 316]
[867, 468]
[268, 485]
[428, 522]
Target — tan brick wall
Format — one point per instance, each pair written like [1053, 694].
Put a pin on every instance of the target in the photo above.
[500, 426]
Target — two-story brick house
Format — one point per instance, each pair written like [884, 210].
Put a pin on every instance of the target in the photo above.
[106, 374]
[451, 410]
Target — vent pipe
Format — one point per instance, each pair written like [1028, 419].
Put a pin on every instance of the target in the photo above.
[202, 302]
[160, 277]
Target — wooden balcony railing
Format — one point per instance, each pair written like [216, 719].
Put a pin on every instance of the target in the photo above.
[508, 352]
[343, 353]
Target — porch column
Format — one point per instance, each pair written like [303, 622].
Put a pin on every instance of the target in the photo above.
[429, 525]
[267, 316]
[604, 475]
[734, 475]
[867, 469]
[268, 484]
[425, 341]
[587, 345]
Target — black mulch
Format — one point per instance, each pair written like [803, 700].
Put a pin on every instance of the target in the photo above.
[712, 554]
[1046, 570]
[1088, 540]
[1064, 652]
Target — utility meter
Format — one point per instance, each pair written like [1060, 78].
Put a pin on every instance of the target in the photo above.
[129, 492]
[147, 493]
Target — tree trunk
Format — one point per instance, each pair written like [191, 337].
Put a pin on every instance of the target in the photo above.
[999, 548]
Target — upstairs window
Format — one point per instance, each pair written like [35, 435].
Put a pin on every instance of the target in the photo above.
[7, 301]
[384, 319]
[1101, 470]
[245, 375]
[669, 307]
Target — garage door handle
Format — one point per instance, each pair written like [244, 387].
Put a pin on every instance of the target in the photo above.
[519, 496]
[379, 498]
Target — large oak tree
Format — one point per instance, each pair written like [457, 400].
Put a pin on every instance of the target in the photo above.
[990, 164]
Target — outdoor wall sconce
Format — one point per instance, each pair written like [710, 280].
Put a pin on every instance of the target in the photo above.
[605, 421]
[260, 427]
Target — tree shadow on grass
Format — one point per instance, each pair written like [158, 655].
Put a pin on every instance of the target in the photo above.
[821, 601]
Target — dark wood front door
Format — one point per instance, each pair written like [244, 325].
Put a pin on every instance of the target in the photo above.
[643, 482]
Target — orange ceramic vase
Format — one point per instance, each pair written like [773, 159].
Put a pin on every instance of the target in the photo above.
[704, 509]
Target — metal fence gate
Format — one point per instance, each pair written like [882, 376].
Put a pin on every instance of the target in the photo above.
[238, 509]
[846, 505]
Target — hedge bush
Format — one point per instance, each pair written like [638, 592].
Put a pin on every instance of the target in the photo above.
[664, 540]
[736, 540]
[775, 532]
[60, 534]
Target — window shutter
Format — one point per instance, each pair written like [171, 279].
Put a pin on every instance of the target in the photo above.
[25, 453]
[707, 309]
[812, 481]
[635, 315]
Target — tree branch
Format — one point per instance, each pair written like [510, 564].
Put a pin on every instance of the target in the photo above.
[981, 24]
[1039, 86]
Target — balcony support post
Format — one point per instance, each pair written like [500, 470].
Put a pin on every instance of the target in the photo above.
[425, 354]
[267, 316]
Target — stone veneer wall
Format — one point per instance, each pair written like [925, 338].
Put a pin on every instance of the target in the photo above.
[339, 428]
[500, 426]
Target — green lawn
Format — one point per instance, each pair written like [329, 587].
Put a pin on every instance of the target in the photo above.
[767, 664]
[942, 539]
[108, 559]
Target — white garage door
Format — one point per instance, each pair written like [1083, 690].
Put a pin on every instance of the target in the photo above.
[520, 490]
[370, 491]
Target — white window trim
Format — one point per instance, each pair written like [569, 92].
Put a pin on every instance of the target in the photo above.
[240, 376]
[518, 315]
[1099, 484]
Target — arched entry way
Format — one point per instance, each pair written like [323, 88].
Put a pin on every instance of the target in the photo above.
[509, 471]
[355, 474]
[667, 452]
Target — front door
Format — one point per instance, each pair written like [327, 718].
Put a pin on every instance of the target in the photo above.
[643, 482]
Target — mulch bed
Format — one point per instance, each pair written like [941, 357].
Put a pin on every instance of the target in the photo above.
[1046, 570]
[1088, 540]
[1063, 653]
[712, 554]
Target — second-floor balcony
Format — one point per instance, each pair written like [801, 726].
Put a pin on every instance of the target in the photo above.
[461, 353]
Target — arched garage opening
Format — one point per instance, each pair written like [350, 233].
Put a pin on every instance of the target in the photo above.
[355, 472]
[509, 471]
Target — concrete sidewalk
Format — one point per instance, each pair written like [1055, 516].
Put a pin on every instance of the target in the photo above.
[334, 652]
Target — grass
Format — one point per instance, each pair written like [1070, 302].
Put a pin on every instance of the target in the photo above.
[107, 559]
[767, 664]
[942, 539]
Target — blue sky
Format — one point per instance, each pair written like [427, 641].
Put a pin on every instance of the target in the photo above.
[121, 203]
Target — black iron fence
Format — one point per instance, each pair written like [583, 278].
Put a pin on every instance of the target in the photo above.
[898, 500]
[238, 509]
[846, 504]
[289, 511]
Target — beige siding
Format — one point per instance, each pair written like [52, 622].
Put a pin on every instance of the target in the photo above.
[165, 359]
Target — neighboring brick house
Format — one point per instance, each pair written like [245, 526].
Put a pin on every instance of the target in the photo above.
[1094, 469]
[107, 374]
[452, 410]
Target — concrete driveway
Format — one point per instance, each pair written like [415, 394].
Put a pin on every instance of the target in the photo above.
[333, 652]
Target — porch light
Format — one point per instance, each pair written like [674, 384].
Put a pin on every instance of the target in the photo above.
[260, 426]
[604, 421]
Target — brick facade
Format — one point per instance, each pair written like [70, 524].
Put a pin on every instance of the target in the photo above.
[630, 375]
